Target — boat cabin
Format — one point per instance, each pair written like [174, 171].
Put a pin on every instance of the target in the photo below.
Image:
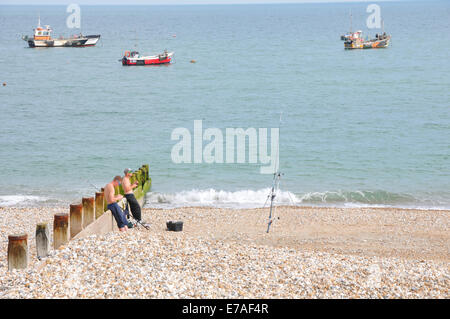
[42, 33]
[356, 35]
[132, 54]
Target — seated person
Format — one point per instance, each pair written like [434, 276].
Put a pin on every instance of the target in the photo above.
[112, 199]
[129, 195]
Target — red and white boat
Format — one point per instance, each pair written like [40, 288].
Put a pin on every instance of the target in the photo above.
[134, 58]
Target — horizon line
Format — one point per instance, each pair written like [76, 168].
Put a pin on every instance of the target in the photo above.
[207, 3]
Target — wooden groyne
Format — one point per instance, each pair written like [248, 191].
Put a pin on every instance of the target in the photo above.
[88, 217]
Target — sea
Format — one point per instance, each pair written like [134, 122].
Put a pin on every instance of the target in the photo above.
[358, 128]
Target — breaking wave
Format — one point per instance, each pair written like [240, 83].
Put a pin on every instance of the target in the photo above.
[22, 200]
[212, 197]
[257, 198]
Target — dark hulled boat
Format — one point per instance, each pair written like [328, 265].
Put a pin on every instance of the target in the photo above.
[42, 38]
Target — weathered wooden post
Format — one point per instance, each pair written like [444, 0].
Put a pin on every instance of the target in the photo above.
[99, 204]
[140, 177]
[88, 211]
[144, 173]
[105, 203]
[17, 251]
[60, 230]
[116, 190]
[147, 172]
[42, 240]
[76, 219]
[136, 177]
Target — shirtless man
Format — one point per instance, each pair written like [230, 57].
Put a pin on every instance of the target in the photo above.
[128, 190]
[112, 199]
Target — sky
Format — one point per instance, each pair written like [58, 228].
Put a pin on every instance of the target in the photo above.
[150, 2]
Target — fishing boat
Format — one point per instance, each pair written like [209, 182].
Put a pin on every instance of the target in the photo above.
[134, 58]
[356, 41]
[42, 38]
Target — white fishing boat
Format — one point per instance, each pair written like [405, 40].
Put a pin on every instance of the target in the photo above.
[42, 38]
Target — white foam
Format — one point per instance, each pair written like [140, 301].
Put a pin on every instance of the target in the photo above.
[21, 200]
[259, 198]
[218, 198]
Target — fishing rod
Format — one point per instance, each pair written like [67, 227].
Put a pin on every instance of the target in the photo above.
[272, 195]
[124, 200]
[96, 188]
[140, 223]
[275, 183]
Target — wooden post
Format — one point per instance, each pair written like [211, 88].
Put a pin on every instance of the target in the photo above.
[144, 172]
[105, 204]
[99, 205]
[60, 230]
[17, 251]
[76, 219]
[147, 171]
[88, 211]
[136, 177]
[42, 240]
[140, 177]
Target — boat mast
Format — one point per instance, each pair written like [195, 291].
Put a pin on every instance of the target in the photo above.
[350, 21]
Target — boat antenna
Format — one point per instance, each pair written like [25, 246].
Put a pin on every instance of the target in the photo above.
[275, 183]
[351, 22]
[39, 19]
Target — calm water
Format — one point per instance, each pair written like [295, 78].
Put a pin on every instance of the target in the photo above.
[359, 127]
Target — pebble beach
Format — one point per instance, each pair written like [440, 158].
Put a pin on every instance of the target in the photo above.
[224, 253]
